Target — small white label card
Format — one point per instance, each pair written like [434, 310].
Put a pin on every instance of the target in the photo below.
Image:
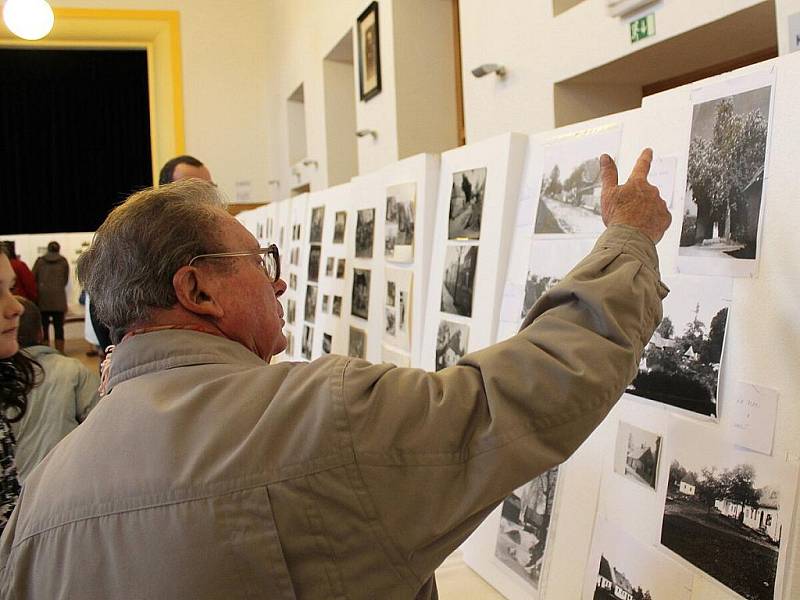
[753, 413]
[662, 175]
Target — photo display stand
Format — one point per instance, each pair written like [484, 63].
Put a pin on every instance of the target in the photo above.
[363, 300]
[476, 206]
[331, 328]
[293, 271]
[408, 189]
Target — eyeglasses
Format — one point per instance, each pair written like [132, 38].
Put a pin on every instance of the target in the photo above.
[270, 260]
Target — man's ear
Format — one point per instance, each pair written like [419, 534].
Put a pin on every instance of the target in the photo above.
[195, 292]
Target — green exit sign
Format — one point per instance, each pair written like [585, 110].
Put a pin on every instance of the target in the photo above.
[643, 27]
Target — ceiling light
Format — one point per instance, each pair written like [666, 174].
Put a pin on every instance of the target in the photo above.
[28, 19]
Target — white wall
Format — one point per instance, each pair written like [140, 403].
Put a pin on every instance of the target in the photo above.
[539, 50]
[784, 9]
[225, 54]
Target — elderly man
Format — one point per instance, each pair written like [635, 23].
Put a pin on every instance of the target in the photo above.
[207, 473]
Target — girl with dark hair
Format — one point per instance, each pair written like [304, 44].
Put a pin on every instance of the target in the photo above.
[17, 377]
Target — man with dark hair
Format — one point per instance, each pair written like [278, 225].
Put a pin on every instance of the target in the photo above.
[63, 399]
[25, 285]
[207, 472]
[183, 167]
[52, 275]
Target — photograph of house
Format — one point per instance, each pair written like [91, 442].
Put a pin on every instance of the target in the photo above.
[723, 509]
[569, 195]
[636, 454]
[681, 364]
[725, 178]
[620, 567]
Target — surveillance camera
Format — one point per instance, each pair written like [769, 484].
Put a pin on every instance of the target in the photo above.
[487, 68]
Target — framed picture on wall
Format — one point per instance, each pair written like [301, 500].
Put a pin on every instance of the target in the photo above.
[369, 56]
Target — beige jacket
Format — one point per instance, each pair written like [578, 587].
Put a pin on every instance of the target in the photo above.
[206, 474]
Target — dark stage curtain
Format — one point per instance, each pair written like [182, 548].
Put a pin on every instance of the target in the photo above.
[74, 136]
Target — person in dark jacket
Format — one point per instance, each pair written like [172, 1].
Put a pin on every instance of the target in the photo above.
[52, 275]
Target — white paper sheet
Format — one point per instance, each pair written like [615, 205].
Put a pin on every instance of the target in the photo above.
[752, 417]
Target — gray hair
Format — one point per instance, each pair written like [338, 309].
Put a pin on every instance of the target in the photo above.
[135, 253]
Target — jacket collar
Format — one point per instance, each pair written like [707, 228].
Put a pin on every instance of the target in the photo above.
[161, 350]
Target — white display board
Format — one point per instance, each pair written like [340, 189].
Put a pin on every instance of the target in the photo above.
[471, 246]
[336, 238]
[293, 271]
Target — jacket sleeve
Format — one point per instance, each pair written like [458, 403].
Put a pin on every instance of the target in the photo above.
[86, 394]
[438, 451]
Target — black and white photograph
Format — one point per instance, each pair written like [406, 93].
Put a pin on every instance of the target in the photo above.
[357, 344]
[727, 510]
[289, 343]
[311, 303]
[329, 264]
[327, 341]
[399, 231]
[340, 222]
[326, 300]
[569, 195]
[314, 255]
[390, 293]
[451, 343]
[365, 232]
[294, 256]
[291, 309]
[308, 342]
[369, 54]
[525, 522]
[340, 266]
[317, 219]
[402, 310]
[459, 279]
[360, 297]
[336, 308]
[725, 178]
[535, 287]
[292, 281]
[260, 230]
[636, 454]
[466, 204]
[622, 568]
[681, 364]
[390, 325]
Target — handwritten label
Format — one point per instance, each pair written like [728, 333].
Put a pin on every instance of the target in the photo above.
[662, 175]
[753, 413]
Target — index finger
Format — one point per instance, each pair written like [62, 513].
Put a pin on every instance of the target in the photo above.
[642, 166]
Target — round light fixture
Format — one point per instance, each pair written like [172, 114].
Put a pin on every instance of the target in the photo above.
[28, 19]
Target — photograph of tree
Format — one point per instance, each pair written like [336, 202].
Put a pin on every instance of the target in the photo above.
[725, 179]
[622, 568]
[459, 278]
[466, 204]
[365, 232]
[399, 236]
[569, 195]
[524, 526]
[340, 221]
[725, 509]
[636, 454]
[317, 217]
[681, 363]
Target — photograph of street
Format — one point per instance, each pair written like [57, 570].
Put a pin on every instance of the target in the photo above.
[357, 344]
[399, 233]
[636, 454]
[681, 363]
[459, 278]
[569, 195]
[466, 204]
[724, 508]
[365, 232]
[726, 172]
[451, 343]
[360, 296]
[317, 217]
[524, 527]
